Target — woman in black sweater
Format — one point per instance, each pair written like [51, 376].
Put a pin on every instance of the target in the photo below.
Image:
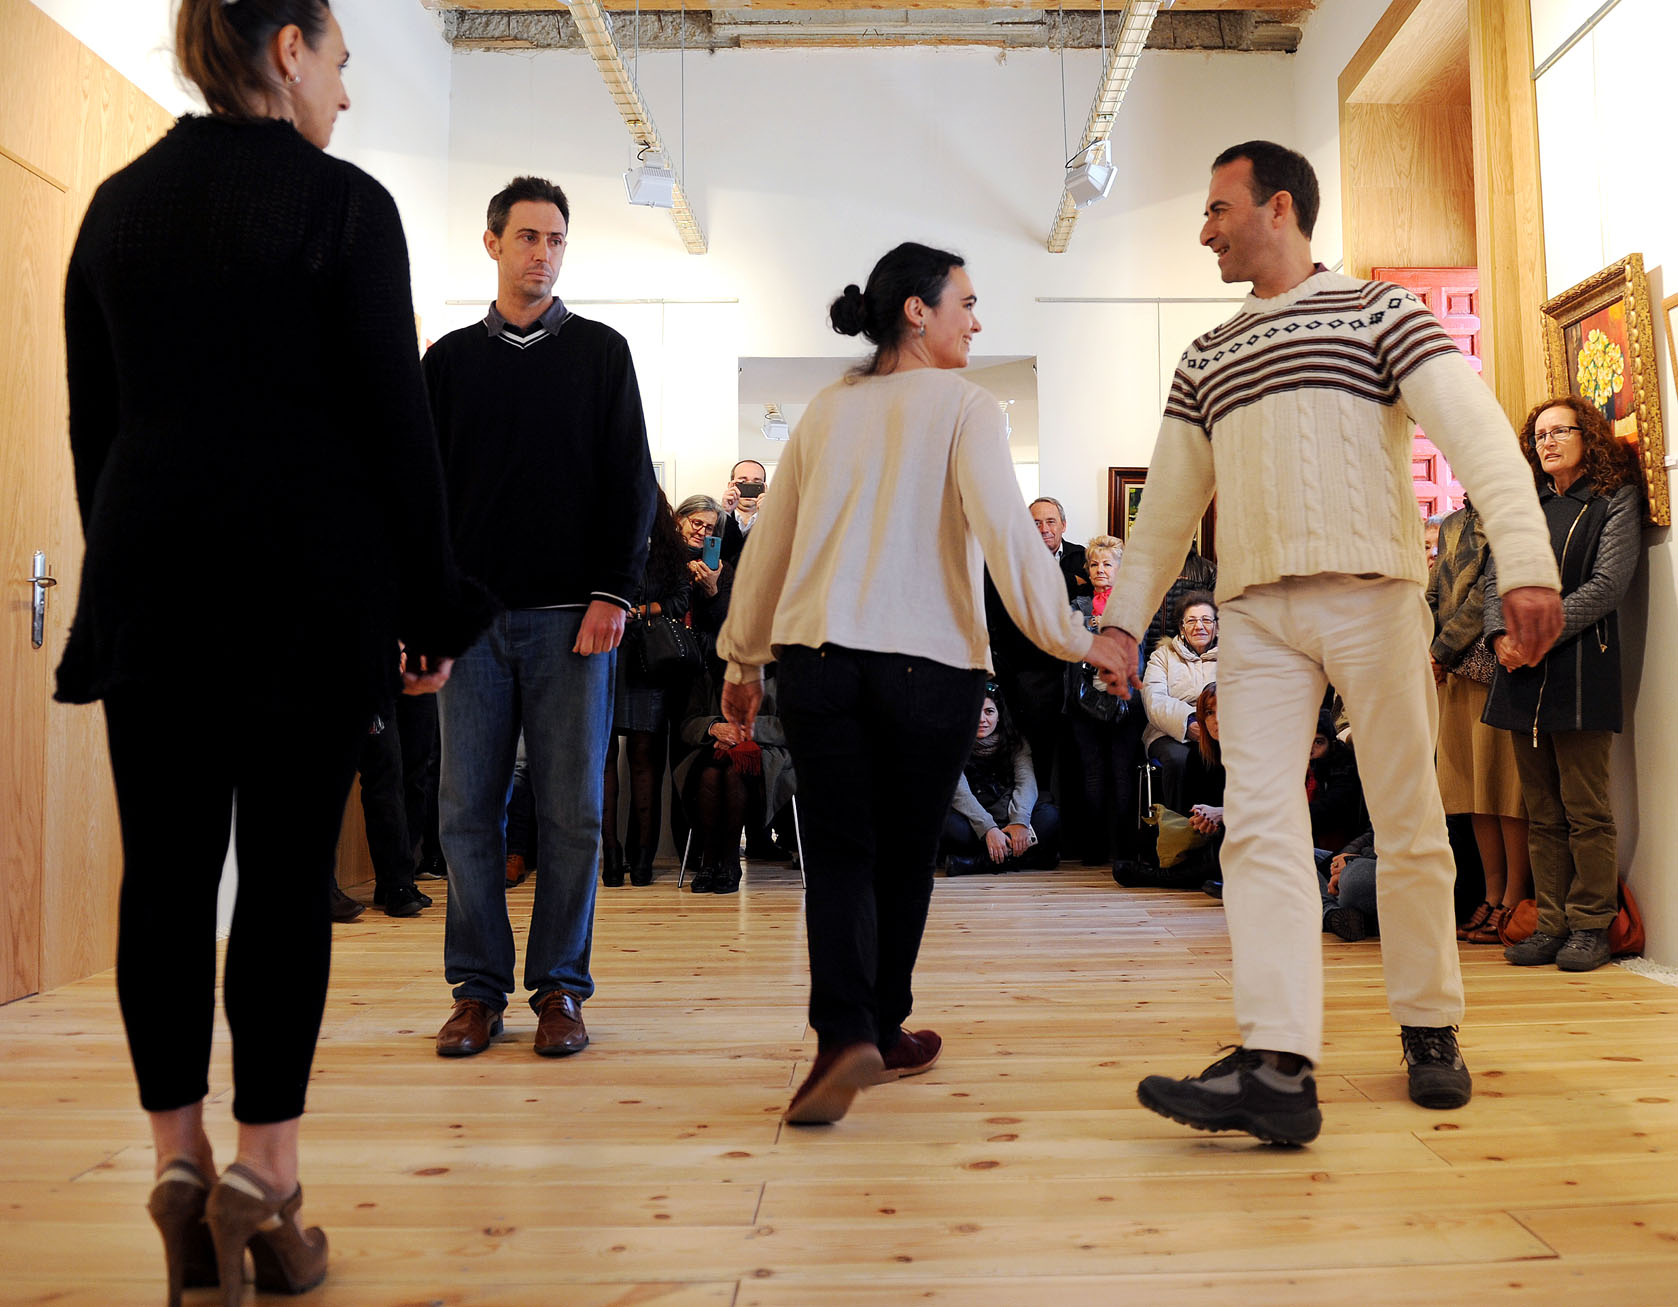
[262, 502]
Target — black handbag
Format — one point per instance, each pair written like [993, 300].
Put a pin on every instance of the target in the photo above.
[667, 649]
[1096, 702]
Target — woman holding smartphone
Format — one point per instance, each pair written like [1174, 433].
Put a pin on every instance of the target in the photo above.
[864, 585]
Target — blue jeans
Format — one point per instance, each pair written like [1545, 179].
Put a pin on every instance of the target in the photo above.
[1357, 886]
[521, 672]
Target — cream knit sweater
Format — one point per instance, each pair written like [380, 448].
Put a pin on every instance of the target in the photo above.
[1299, 412]
[894, 492]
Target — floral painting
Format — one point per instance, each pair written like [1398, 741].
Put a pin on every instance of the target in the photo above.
[1599, 343]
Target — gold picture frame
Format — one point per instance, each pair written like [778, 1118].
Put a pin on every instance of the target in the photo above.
[1599, 345]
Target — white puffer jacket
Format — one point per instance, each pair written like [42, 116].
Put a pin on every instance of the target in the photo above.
[1175, 677]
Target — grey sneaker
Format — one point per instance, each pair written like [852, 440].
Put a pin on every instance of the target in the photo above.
[1438, 1076]
[1536, 950]
[1230, 1095]
[1585, 950]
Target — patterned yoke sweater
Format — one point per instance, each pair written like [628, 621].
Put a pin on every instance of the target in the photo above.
[1299, 410]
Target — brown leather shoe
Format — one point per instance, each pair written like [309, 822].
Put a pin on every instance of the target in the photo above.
[516, 870]
[914, 1052]
[559, 1029]
[469, 1029]
[834, 1079]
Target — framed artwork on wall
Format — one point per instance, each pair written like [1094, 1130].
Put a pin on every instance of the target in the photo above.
[1669, 306]
[1599, 345]
[1124, 499]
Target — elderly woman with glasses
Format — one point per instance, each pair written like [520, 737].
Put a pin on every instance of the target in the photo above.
[1564, 707]
[1177, 672]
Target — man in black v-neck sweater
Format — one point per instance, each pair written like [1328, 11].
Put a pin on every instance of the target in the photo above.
[551, 497]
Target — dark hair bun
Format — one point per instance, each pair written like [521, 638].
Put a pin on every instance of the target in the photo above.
[849, 312]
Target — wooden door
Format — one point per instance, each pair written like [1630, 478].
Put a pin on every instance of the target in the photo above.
[32, 224]
[1453, 295]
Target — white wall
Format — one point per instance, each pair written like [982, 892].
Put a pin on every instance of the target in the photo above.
[805, 166]
[1609, 190]
[398, 80]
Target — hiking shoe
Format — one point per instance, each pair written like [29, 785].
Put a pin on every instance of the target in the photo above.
[912, 1054]
[1239, 1092]
[1536, 950]
[1438, 1076]
[1348, 923]
[1585, 950]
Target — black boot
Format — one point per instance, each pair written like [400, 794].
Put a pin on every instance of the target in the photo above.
[728, 876]
[957, 865]
[642, 872]
[611, 867]
[704, 879]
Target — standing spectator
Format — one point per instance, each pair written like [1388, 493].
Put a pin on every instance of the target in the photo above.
[864, 588]
[1321, 579]
[1476, 762]
[551, 492]
[385, 814]
[1049, 518]
[295, 449]
[1109, 752]
[697, 517]
[1178, 670]
[1564, 707]
[1430, 538]
[641, 715]
[740, 504]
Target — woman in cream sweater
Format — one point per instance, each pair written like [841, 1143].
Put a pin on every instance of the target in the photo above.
[864, 585]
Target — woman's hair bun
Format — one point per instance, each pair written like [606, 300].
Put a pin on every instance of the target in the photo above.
[849, 312]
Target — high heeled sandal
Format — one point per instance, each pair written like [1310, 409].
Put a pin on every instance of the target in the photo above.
[177, 1207]
[243, 1211]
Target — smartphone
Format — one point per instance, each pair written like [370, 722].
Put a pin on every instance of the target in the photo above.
[710, 553]
[750, 489]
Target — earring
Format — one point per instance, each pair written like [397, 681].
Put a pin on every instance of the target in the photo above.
[922, 331]
[293, 79]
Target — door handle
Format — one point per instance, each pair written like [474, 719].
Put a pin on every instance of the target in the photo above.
[40, 581]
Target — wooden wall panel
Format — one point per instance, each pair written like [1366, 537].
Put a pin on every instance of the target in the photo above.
[37, 59]
[1509, 214]
[1407, 186]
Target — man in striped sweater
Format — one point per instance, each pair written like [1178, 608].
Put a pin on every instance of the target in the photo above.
[1299, 410]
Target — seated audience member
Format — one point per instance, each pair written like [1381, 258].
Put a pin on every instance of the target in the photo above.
[996, 821]
[739, 511]
[521, 821]
[727, 774]
[1203, 791]
[1333, 790]
[639, 711]
[1348, 888]
[1109, 752]
[1176, 674]
[1198, 573]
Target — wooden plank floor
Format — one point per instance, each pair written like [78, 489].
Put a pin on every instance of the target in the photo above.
[653, 1168]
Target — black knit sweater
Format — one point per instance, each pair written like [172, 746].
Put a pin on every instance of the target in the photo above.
[550, 484]
[255, 464]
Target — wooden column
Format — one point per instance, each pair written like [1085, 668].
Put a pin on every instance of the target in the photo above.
[1508, 205]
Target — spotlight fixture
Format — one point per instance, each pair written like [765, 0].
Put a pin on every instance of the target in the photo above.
[651, 182]
[775, 425]
[1090, 173]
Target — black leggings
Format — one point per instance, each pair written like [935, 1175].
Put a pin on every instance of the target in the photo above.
[646, 794]
[180, 757]
[717, 797]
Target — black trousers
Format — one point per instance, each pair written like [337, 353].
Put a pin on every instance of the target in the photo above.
[1111, 753]
[878, 741]
[384, 808]
[416, 723]
[181, 758]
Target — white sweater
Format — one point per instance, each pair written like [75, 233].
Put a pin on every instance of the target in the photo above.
[894, 492]
[1299, 412]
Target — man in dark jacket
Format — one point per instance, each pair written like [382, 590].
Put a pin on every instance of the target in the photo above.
[551, 498]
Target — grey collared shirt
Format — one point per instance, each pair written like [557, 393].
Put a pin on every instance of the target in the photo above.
[552, 319]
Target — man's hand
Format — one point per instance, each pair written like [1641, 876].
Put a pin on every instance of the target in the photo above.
[996, 844]
[602, 629]
[1532, 616]
[1113, 652]
[730, 498]
[740, 703]
[432, 674]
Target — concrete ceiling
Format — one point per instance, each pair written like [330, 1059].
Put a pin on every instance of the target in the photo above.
[1244, 25]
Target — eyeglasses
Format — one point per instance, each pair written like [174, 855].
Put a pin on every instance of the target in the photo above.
[1200, 623]
[1555, 435]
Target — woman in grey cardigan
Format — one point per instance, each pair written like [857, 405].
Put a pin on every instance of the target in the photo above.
[1564, 710]
[997, 819]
